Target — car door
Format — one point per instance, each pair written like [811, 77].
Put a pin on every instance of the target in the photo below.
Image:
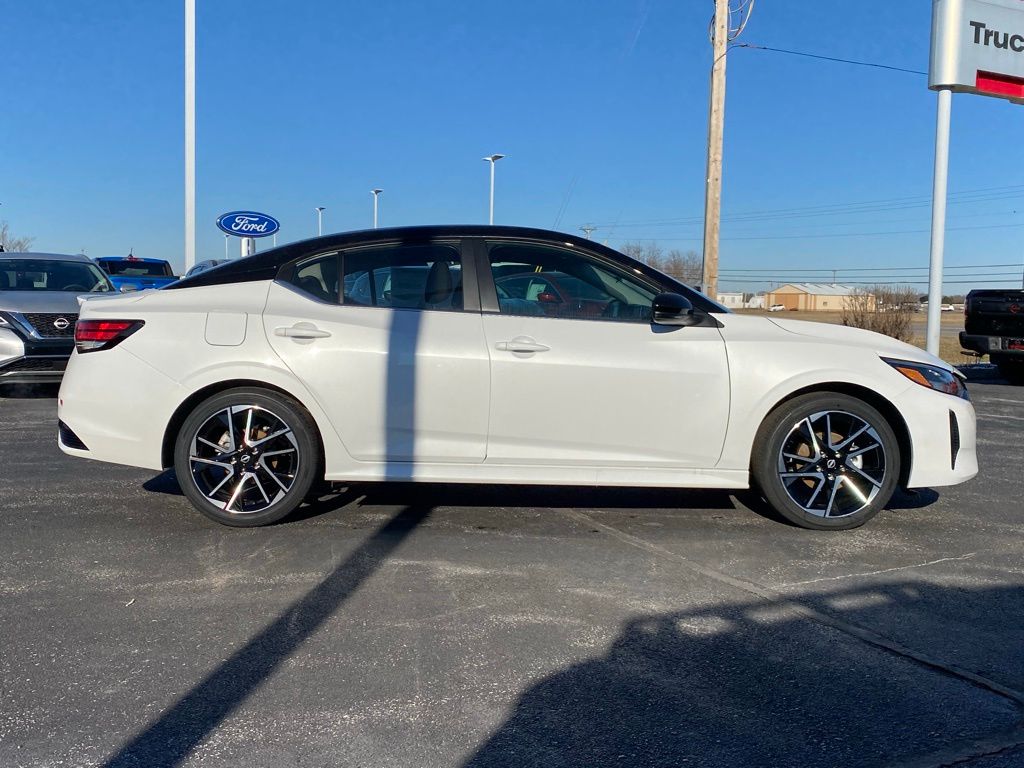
[389, 339]
[573, 386]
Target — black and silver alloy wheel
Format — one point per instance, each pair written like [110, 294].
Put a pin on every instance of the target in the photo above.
[832, 464]
[826, 461]
[247, 457]
[244, 458]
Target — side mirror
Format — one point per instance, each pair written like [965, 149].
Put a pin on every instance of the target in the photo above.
[673, 309]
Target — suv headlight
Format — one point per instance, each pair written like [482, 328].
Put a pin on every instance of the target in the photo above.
[932, 376]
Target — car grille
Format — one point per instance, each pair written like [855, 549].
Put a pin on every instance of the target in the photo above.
[35, 364]
[44, 324]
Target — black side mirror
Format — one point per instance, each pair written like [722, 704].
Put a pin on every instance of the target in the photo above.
[673, 309]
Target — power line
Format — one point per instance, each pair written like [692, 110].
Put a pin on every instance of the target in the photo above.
[772, 271]
[805, 236]
[830, 58]
[869, 206]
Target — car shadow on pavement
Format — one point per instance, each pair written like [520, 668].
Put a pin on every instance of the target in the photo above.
[168, 740]
[29, 391]
[761, 683]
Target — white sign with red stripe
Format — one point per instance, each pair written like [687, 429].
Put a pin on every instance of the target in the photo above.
[978, 47]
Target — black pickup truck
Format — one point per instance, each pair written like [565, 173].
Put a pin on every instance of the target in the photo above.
[995, 327]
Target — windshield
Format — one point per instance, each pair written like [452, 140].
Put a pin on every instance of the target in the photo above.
[52, 275]
[136, 268]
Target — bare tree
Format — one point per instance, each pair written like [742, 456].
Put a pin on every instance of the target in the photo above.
[881, 309]
[685, 267]
[11, 243]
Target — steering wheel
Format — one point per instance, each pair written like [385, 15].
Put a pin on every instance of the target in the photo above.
[75, 287]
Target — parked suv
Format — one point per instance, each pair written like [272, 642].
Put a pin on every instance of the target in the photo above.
[38, 311]
[131, 273]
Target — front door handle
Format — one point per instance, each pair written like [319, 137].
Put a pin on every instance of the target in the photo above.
[521, 344]
[302, 331]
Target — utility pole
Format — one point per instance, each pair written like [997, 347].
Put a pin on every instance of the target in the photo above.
[587, 229]
[716, 136]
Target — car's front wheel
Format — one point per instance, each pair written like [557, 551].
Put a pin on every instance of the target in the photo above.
[826, 461]
[247, 456]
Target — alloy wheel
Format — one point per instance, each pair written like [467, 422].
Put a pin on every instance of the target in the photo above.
[832, 464]
[244, 459]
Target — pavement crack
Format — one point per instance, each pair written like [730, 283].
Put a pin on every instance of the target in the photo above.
[968, 556]
[769, 594]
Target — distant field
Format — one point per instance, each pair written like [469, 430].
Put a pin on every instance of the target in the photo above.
[949, 344]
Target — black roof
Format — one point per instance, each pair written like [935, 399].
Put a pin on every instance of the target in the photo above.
[267, 265]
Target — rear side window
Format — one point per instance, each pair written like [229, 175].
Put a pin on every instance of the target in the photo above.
[403, 276]
[318, 277]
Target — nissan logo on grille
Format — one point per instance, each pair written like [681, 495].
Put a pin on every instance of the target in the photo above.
[61, 323]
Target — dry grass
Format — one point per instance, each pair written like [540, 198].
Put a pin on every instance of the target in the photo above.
[949, 344]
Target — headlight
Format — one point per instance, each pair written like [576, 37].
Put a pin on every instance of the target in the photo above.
[931, 376]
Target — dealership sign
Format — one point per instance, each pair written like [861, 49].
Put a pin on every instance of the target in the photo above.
[978, 47]
[248, 224]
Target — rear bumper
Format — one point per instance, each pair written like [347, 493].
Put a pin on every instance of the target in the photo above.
[117, 406]
[986, 345]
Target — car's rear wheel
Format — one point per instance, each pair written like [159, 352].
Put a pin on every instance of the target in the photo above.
[826, 461]
[247, 456]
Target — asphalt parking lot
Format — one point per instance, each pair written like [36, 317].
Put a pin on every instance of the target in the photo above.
[401, 625]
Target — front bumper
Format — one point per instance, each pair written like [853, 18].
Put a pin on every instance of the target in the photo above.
[943, 436]
[32, 361]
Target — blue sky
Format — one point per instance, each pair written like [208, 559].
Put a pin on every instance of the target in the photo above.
[600, 106]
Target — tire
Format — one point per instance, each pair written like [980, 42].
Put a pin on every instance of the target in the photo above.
[1011, 369]
[808, 490]
[256, 472]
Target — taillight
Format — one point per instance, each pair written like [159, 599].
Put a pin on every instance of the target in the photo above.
[94, 335]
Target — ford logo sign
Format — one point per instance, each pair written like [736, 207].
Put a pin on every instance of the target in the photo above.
[248, 224]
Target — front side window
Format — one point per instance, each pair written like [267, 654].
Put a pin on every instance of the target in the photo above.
[546, 281]
[403, 277]
[52, 275]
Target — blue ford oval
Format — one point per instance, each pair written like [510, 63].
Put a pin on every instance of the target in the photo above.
[248, 224]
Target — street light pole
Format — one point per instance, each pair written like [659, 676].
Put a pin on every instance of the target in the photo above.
[376, 194]
[190, 134]
[226, 236]
[492, 159]
[588, 228]
[320, 220]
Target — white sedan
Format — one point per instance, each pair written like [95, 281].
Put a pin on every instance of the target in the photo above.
[498, 355]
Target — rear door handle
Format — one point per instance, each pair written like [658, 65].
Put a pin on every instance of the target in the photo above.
[521, 344]
[302, 331]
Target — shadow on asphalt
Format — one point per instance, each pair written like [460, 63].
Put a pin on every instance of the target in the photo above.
[333, 498]
[170, 738]
[757, 684]
[29, 391]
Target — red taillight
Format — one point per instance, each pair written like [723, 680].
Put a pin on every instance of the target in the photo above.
[94, 335]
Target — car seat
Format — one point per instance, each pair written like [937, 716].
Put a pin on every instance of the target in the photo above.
[437, 292]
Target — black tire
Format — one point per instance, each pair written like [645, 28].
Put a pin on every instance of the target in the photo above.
[864, 472]
[272, 424]
[1011, 369]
